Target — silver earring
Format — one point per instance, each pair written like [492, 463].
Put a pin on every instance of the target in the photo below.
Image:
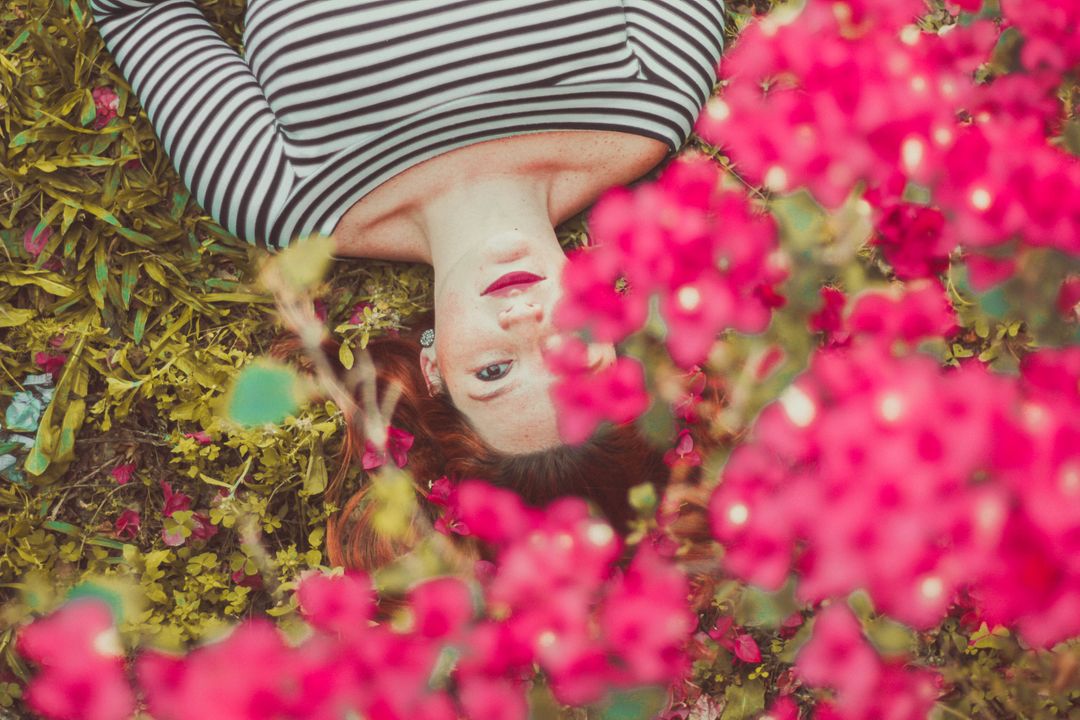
[427, 338]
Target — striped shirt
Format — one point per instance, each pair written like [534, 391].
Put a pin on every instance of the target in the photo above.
[334, 97]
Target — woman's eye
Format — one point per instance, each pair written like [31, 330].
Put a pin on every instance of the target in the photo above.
[493, 372]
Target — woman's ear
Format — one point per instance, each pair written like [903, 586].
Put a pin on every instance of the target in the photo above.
[429, 366]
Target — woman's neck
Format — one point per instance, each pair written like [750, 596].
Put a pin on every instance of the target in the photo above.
[486, 211]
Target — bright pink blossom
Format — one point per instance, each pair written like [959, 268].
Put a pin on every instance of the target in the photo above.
[910, 236]
[839, 657]
[706, 253]
[398, 443]
[616, 394]
[338, 604]
[81, 673]
[51, 363]
[441, 607]
[922, 311]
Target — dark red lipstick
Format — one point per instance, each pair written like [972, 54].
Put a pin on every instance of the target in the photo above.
[512, 279]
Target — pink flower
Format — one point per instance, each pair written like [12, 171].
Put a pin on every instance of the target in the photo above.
[910, 236]
[35, 243]
[493, 698]
[683, 452]
[51, 363]
[492, 514]
[204, 529]
[1068, 299]
[127, 525]
[615, 394]
[783, 708]
[173, 501]
[398, 443]
[441, 492]
[106, 103]
[122, 473]
[441, 607]
[202, 437]
[337, 604]
[241, 578]
[80, 676]
[922, 311]
[597, 296]
[739, 644]
[320, 309]
[838, 656]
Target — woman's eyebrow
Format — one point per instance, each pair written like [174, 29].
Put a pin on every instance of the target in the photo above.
[484, 397]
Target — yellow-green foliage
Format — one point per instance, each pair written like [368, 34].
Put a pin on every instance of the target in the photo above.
[155, 308]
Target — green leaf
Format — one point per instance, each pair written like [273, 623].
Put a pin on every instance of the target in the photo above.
[345, 355]
[395, 499]
[315, 479]
[744, 701]
[643, 499]
[264, 392]
[304, 263]
[638, 704]
[128, 279]
[69, 428]
[47, 281]
[64, 527]
[140, 324]
[758, 608]
[13, 317]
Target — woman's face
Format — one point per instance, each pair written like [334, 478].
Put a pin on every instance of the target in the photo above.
[493, 321]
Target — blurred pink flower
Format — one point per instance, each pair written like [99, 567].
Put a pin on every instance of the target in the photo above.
[910, 237]
[81, 674]
[337, 604]
[615, 394]
[683, 452]
[398, 443]
[441, 607]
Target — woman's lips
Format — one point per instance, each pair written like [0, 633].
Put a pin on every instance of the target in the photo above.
[512, 279]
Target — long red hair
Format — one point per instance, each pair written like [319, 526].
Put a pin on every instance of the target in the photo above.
[600, 470]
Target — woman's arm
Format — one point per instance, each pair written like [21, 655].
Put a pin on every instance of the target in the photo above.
[206, 107]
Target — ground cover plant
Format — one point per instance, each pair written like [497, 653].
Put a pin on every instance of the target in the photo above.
[848, 312]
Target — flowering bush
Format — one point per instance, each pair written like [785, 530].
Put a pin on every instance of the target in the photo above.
[848, 316]
[458, 647]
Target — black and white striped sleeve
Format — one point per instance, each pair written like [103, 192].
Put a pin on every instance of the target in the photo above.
[679, 42]
[206, 106]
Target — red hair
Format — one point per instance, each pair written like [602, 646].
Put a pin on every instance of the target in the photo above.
[600, 470]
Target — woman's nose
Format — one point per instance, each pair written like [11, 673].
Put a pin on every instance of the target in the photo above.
[518, 312]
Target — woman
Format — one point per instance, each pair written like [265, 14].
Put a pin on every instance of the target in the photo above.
[456, 133]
